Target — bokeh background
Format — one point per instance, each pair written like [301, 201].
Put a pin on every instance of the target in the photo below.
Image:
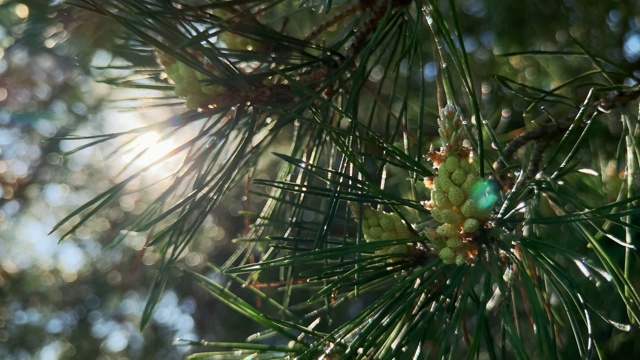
[83, 297]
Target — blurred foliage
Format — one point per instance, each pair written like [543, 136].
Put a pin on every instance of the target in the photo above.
[77, 299]
[319, 104]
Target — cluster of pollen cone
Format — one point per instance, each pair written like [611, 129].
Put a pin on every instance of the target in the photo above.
[461, 201]
[380, 226]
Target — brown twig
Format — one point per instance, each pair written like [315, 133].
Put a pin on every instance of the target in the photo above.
[544, 136]
[332, 21]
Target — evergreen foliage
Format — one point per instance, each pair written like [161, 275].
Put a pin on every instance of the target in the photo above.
[411, 216]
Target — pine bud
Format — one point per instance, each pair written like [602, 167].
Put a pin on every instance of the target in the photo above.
[440, 199]
[450, 217]
[454, 242]
[458, 177]
[447, 255]
[467, 167]
[451, 164]
[471, 225]
[469, 208]
[438, 215]
[469, 182]
[381, 226]
[443, 172]
[447, 230]
[456, 195]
